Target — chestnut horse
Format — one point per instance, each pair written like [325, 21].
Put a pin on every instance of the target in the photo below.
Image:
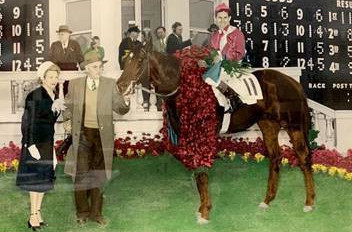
[284, 105]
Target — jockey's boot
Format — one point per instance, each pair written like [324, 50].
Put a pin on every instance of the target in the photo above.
[230, 94]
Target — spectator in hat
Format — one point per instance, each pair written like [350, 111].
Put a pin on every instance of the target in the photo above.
[95, 46]
[65, 52]
[127, 43]
[212, 29]
[90, 102]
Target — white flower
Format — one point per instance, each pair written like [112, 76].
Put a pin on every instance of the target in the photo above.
[58, 105]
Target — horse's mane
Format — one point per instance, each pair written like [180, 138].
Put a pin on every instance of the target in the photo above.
[167, 69]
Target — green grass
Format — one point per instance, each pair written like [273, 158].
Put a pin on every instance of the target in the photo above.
[157, 194]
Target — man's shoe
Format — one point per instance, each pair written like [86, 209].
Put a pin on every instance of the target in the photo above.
[99, 220]
[81, 221]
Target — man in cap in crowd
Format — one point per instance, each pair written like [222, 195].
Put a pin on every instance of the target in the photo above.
[127, 43]
[90, 102]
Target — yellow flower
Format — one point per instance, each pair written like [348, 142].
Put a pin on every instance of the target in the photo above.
[284, 161]
[141, 152]
[316, 167]
[341, 172]
[129, 152]
[118, 152]
[246, 156]
[2, 167]
[232, 155]
[15, 164]
[259, 157]
[222, 153]
[348, 176]
[323, 168]
[332, 171]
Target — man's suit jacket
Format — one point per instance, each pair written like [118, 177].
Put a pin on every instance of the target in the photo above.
[157, 46]
[109, 100]
[175, 43]
[68, 58]
[125, 47]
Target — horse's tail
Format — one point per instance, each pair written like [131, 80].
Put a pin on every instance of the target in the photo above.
[307, 126]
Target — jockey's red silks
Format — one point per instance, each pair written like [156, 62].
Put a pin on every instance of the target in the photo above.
[196, 104]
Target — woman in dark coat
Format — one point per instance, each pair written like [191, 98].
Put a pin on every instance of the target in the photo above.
[36, 172]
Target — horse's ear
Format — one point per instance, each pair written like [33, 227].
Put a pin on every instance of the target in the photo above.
[149, 45]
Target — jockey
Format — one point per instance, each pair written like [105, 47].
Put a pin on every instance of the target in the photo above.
[229, 43]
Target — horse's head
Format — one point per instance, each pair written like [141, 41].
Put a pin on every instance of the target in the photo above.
[146, 66]
[135, 67]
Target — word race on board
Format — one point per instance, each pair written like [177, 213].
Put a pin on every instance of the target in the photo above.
[315, 36]
[24, 34]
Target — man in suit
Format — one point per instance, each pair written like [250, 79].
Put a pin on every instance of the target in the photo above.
[174, 41]
[91, 101]
[65, 52]
[127, 43]
[159, 44]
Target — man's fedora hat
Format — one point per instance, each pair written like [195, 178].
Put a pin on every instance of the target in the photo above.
[91, 57]
[63, 28]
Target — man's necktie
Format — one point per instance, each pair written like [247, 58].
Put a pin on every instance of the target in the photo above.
[94, 86]
[162, 45]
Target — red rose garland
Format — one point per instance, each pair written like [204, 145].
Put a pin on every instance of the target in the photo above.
[197, 106]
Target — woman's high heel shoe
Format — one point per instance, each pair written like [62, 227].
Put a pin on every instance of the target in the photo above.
[34, 228]
[42, 223]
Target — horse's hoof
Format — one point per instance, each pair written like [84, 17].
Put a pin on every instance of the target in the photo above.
[307, 208]
[263, 205]
[202, 221]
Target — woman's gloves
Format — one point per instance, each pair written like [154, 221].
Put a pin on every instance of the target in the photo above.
[58, 105]
[34, 152]
[54, 158]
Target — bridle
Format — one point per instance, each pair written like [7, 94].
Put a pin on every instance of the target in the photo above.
[147, 68]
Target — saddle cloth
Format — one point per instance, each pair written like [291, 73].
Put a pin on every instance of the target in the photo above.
[245, 85]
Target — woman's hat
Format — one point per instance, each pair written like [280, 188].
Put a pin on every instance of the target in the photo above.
[63, 28]
[43, 68]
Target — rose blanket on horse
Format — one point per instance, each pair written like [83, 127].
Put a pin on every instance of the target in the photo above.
[196, 106]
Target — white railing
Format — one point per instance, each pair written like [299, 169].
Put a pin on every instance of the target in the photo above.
[334, 126]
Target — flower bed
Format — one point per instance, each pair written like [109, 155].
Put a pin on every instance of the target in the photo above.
[324, 160]
[9, 156]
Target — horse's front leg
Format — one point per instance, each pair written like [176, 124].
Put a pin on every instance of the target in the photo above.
[205, 206]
